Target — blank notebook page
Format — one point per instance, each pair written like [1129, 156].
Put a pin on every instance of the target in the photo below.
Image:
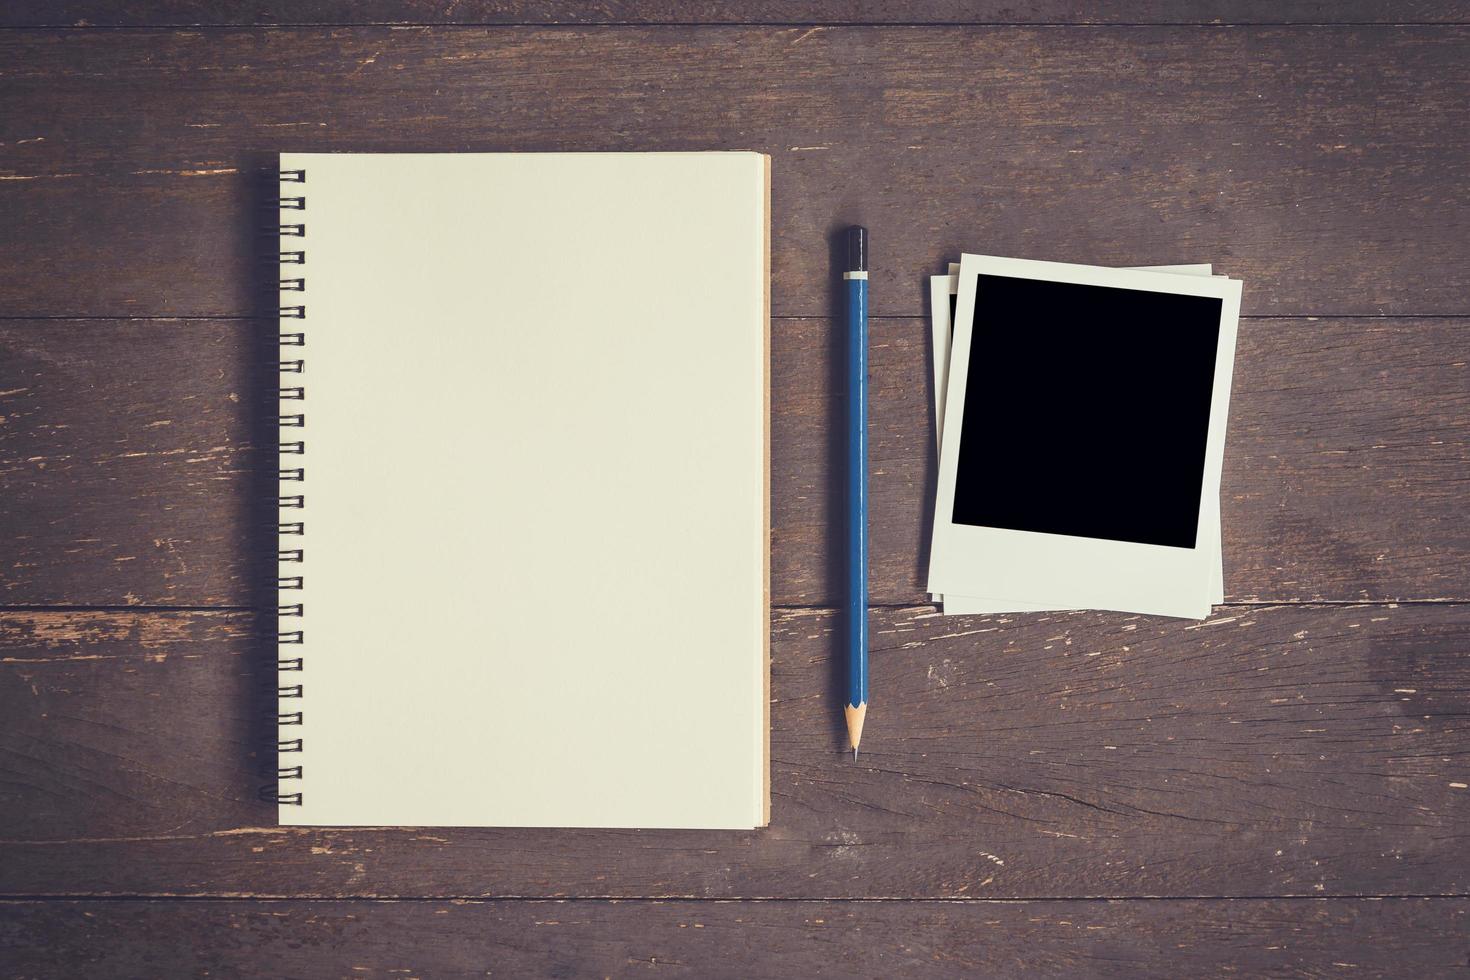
[534, 532]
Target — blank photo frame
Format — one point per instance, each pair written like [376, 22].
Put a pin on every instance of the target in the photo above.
[942, 299]
[1074, 471]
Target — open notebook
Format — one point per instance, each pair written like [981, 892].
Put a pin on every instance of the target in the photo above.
[524, 525]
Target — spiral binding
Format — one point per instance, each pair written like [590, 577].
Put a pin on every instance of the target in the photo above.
[291, 611]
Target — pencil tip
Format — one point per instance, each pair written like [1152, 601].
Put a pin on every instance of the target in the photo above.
[855, 717]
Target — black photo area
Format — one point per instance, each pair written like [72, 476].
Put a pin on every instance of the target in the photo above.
[1086, 411]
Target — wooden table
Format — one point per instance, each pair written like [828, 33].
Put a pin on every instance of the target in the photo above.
[1281, 789]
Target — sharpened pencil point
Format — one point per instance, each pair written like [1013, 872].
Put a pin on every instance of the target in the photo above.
[855, 716]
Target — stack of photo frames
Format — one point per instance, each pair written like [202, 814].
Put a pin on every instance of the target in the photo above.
[1080, 413]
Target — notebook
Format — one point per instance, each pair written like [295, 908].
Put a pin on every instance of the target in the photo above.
[524, 526]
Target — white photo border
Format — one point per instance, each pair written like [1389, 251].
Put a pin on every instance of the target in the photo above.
[1062, 571]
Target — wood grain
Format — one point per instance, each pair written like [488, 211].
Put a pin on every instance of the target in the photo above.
[138, 459]
[204, 13]
[1360, 938]
[1327, 167]
[1282, 750]
[1315, 752]
[139, 462]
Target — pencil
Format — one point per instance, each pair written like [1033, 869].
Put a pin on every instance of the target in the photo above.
[855, 285]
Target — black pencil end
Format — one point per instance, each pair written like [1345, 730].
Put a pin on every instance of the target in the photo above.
[857, 249]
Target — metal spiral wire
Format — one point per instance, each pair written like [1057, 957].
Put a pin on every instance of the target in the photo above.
[289, 614]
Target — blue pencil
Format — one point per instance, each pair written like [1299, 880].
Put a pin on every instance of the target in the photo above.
[855, 276]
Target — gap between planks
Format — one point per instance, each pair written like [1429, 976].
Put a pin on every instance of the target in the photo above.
[923, 315]
[707, 25]
[691, 900]
[777, 607]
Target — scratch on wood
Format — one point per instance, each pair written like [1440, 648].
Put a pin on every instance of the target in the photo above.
[187, 173]
[52, 660]
[366, 61]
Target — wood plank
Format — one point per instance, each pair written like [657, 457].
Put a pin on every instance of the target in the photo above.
[1285, 750]
[1368, 938]
[1348, 454]
[138, 461]
[197, 13]
[1328, 167]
